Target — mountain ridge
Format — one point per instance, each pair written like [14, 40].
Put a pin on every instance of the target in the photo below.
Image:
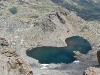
[87, 9]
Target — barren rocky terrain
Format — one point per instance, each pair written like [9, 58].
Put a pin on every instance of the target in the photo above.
[35, 23]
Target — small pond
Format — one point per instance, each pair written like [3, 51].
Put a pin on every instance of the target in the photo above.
[49, 54]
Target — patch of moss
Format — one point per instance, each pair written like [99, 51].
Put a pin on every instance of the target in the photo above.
[13, 10]
[35, 16]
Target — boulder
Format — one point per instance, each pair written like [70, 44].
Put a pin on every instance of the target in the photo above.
[98, 56]
[92, 71]
[11, 63]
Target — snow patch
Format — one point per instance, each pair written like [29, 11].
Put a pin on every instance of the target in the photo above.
[44, 66]
[76, 61]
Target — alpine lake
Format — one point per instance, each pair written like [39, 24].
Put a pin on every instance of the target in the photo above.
[49, 54]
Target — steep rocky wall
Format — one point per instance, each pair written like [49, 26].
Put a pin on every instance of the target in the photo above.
[11, 63]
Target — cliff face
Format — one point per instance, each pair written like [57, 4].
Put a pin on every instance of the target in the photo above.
[10, 62]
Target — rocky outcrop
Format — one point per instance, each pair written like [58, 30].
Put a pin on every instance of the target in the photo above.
[10, 62]
[3, 42]
[19, 64]
[88, 60]
[53, 21]
[54, 25]
[98, 56]
[92, 71]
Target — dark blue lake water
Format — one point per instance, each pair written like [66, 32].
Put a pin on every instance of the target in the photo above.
[48, 54]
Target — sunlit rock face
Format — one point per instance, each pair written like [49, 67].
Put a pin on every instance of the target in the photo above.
[48, 54]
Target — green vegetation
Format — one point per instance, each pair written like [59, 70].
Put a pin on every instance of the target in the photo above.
[13, 10]
[35, 16]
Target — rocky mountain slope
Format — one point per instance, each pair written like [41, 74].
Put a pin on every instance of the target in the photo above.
[86, 9]
[26, 10]
[10, 62]
[31, 23]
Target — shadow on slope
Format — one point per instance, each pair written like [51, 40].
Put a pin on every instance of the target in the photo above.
[88, 11]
